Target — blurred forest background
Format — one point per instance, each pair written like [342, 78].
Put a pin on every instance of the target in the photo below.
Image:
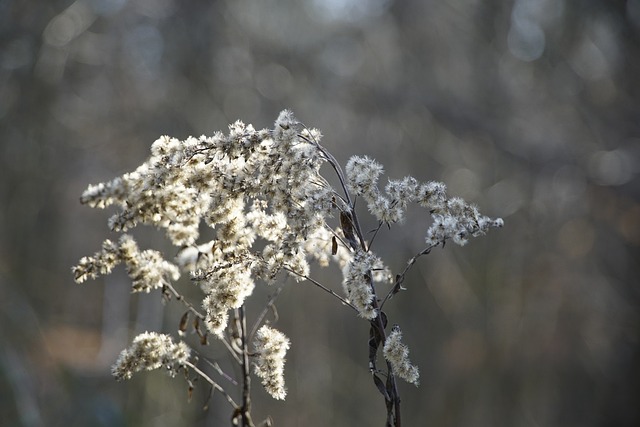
[529, 108]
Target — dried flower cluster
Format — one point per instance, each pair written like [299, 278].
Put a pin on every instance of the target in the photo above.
[262, 193]
[358, 275]
[147, 269]
[271, 346]
[150, 351]
[453, 218]
[397, 353]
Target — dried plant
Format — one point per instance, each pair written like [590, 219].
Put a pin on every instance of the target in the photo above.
[273, 213]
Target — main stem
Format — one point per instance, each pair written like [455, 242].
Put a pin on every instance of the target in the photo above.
[393, 410]
[246, 376]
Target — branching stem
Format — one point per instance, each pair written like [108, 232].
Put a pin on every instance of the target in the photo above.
[393, 407]
[214, 384]
[168, 286]
[400, 277]
[245, 410]
[321, 286]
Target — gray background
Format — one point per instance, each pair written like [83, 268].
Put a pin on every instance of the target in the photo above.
[529, 108]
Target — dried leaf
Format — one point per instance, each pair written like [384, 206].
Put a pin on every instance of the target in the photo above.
[183, 322]
[236, 417]
[196, 325]
[202, 335]
[189, 384]
[206, 404]
[374, 343]
[346, 223]
[375, 339]
[166, 294]
[383, 317]
[204, 340]
[382, 388]
[267, 422]
[397, 287]
[334, 245]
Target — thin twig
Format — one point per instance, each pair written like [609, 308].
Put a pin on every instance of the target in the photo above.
[343, 183]
[321, 286]
[217, 368]
[191, 308]
[395, 397]
[375, 233]
[214, 384]
[270, 306]
[400, 277]
[183, 300]
[246, 377]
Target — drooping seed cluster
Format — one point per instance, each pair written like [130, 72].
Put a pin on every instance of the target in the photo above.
[397, 354]
[271, 347]
[150, 351]
[147, 269]
[358, 277]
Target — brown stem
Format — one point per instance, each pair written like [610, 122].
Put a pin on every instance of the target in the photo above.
[179, 297]
[214, 384]
[400, 277]
[321, 286]
[270, 306]
[246, 377]
[343, 182]
[393, 410]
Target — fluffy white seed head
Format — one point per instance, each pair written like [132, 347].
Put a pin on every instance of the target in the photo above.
[271, 347]
[397, 354]
[150, 351]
